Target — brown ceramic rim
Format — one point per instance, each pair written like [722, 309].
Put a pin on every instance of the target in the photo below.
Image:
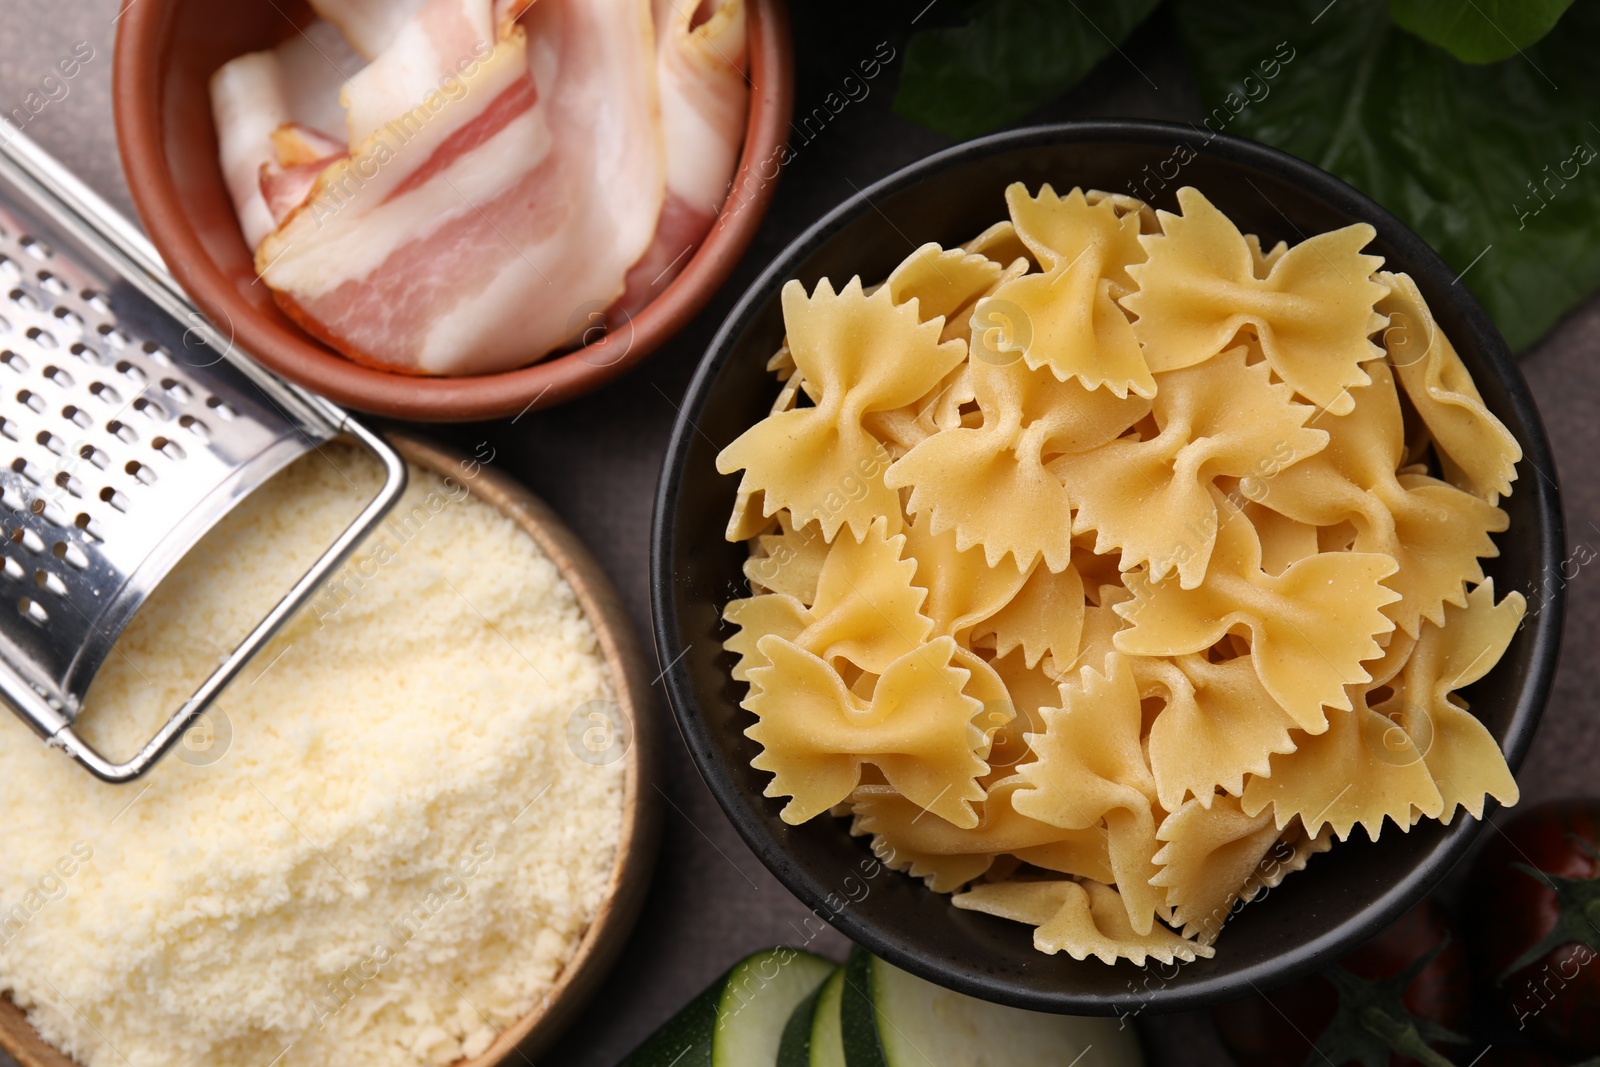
[597, 951]
[144, 35]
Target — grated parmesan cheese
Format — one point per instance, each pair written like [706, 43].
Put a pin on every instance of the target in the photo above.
[392, 856]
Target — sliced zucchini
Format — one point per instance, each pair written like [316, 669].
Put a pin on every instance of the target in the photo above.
[827, 1042]
[738, 1021]
[889, 1018]
[811, 1038]
[795, 1048]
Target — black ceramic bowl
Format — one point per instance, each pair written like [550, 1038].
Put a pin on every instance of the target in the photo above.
[1345, 896]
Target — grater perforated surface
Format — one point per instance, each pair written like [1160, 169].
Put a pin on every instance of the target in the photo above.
[129, 426]
[115, 456]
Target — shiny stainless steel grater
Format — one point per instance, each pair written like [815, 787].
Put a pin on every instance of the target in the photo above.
[128, 427]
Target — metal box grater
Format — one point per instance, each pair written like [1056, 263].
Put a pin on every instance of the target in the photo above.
[128, 427]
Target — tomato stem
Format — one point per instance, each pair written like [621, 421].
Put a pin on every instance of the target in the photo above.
[1577, 921]
[1373, 1021]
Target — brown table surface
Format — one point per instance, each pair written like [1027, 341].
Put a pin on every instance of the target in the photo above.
[596, 461]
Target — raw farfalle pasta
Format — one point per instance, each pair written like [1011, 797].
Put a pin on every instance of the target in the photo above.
[859, 354]
[1066, 319]
[989, 482]
[1083, 918]
[1223, 418]
[1308, 629]
[1110, 566]
[917, 729]
[1475, 451]
[1434, 531]
[1312, 311]
[1217, 724]
[1208, 857]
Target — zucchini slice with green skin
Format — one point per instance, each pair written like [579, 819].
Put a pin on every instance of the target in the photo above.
[889, 1018]
[738, 1021]
[811, 1039]
[827, 1041]
[795, 1048]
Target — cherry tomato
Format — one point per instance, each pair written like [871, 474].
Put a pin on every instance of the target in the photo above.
[1280, 1027]
[1533, 934]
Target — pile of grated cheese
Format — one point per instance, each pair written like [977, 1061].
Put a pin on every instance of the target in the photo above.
[393, 855]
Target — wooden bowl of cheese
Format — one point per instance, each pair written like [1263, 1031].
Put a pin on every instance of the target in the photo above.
[413, 832]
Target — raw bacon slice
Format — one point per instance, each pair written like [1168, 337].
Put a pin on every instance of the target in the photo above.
[255, 95]
[510, 170]
[301, 154]
[700, 57]
[295, 144]
[473, 232]
[701, 53]
[369, 25]
[441, 42]
[247, 101]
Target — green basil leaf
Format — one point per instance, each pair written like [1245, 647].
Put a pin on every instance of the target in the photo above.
[1011, 57]
[1479, 31]
[1495, 166]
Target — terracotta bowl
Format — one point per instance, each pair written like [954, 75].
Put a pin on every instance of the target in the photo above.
[529, 1037]
[166, 53]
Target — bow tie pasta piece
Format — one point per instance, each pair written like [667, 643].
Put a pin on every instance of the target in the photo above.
[1361, 770]
[905, 831]
[1001, 244]
[944, 283]
[1028, 689]
[994, 701]
[963, 590]
[1396, 654]
[1062, 230]
[1082, 919]
[1478, 452]
[1313, 313]
[1310, 627]
[1212, 859]
[789, 561]
[1043, 618]
[1089, 766]
[1292, 852]
[866, 608]
[1283, 540]
[1101, 624]
[1067, 319]
[1435, 532]
[815, 734]
[1462, 756]
[1126, 205]
[1152, 500]
[1217, 724]
[861, 354]
[989, 482]
[758, 617]
[750, 516]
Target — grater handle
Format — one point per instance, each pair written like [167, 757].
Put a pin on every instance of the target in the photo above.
[84, 213]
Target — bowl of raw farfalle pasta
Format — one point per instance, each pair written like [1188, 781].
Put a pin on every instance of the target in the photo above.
[1103, 567]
